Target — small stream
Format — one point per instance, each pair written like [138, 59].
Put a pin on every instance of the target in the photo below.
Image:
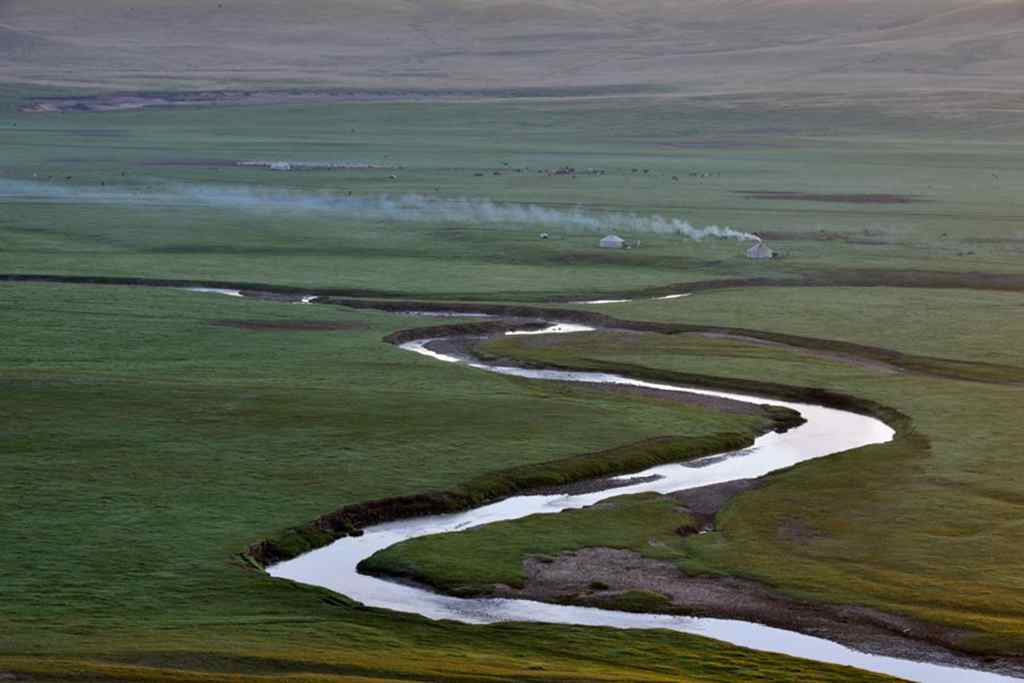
[825, 432]
[598, 302]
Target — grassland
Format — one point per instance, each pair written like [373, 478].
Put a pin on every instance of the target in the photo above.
[968, 223]
[144, 448]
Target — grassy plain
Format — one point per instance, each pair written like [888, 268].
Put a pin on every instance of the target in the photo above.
[144, 448]
[967, 221]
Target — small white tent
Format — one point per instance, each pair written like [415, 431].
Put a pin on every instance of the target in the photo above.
[612, 242]
[760, 250]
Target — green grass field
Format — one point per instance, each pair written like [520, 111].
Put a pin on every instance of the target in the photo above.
[967, 221]
[144, 448]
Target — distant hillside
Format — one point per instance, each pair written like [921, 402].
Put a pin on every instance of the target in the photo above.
[695, 46]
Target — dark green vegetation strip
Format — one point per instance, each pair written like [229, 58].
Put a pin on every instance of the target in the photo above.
[843, 277]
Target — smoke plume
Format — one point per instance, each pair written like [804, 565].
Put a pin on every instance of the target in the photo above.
[407, 208]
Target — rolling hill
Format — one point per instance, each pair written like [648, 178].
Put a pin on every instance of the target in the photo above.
[970, 50]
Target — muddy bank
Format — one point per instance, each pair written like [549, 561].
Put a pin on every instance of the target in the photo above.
[613, 579]
[704, 502]
[591, 486]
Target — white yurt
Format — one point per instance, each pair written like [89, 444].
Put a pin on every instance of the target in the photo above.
[612, 242]
[760, 250]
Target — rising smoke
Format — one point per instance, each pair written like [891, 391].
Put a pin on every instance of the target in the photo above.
[407, 208]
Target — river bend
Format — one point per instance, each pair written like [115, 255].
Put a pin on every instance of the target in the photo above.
[825, 432]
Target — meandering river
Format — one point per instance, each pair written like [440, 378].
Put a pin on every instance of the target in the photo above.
[825, 432]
